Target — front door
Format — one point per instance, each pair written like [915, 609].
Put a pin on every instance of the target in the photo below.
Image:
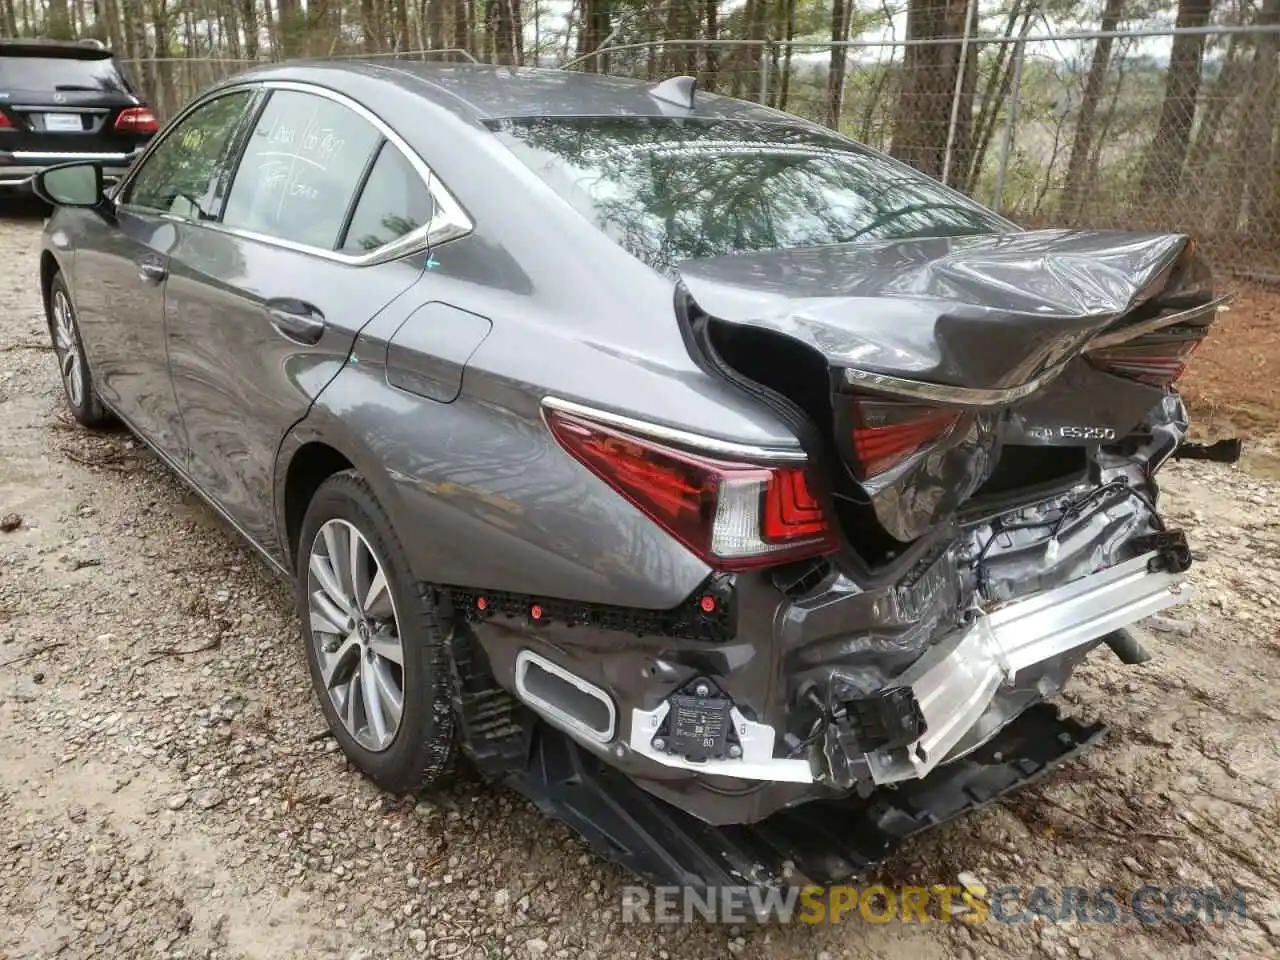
[123, 267]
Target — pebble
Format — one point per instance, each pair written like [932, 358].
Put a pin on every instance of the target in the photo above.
[177, 801]
[970, 882]
[207, 799]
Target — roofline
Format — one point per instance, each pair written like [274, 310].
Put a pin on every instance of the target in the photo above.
[68, 49]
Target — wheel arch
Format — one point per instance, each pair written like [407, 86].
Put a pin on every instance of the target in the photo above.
[49, 268]
[315, 449]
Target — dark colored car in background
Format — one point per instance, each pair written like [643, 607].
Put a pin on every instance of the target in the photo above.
[735, 492]
[63, 102]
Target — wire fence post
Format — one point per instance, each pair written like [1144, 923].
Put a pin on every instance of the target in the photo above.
[766, 64]
[970, 20]
[1010, 119]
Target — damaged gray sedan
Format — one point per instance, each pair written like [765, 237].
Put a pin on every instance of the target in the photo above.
[733, 491]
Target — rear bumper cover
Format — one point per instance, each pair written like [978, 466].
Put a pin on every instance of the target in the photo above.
[957, 679]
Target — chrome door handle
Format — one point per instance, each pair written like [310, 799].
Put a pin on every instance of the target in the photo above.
[297, 320]
[149, 271]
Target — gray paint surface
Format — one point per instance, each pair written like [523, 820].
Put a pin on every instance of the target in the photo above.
[431, 371]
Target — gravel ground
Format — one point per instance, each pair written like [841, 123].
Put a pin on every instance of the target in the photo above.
[166, 788]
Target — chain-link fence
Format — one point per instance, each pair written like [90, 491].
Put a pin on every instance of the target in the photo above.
[1173, 129]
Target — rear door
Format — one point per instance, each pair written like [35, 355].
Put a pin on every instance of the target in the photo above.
[60, 100]
[262, 309]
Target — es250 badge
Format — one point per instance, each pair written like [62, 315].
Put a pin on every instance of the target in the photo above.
[1072, 432]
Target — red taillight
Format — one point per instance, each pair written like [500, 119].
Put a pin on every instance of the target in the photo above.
[5, 122]
[885, 433]
[137, 120]
[1155, 360]
[735, 516]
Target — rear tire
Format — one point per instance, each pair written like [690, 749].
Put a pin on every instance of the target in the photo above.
[377, 652]
[77, 382]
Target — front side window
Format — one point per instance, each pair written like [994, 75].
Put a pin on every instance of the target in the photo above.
[300, 170]
[674, 189]
[181, 175]
[395, 201]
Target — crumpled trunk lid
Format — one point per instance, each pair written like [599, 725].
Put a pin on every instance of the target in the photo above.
[865, 346]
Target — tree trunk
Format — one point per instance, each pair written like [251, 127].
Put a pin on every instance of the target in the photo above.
[292, 27]
[500, 31]
[167, 102]
[58, 24]
[400, 13]
[789, 34]
[711, 58]
[248, 17]
[458, 20]
[839, 58]
[996, 93]
[436, 35]
[1162, 170]
[923, 115]
[1262, 207]
[1082, 147]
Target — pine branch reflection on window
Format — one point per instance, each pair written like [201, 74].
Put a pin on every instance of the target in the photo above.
[393, 227]
[670, 190]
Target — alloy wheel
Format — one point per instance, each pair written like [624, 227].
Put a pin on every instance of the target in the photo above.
[66, 344]
[356, 634]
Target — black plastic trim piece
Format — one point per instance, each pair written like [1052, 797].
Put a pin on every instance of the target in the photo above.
[688, 621]
[1173, 555]
[822, 842]
[1222, 451]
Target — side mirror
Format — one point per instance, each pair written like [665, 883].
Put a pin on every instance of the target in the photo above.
[70, 184]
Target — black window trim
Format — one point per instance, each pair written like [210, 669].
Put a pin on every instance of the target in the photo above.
[352, 206]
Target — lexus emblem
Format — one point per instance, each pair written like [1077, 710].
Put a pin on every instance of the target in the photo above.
[58, 98]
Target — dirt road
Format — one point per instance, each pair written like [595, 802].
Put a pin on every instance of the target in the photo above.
[166, 789]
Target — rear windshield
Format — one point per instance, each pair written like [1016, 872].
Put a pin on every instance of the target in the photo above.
[52, 74]
[673, 189]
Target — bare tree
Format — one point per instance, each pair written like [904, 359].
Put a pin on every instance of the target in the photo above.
[1162, 169]
[1082, 146]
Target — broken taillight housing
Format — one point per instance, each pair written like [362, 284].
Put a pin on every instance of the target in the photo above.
[1157, 359]
[887, 432]
[734, 516]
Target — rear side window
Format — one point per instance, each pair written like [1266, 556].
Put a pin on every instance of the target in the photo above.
[300, 170]
[184, 173]
[394, 202]
[674, 189]
[56, 74]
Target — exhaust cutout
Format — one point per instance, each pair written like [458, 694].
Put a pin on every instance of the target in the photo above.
[564, 698]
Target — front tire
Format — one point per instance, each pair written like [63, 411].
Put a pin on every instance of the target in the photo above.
[375, 647]
[77, 383]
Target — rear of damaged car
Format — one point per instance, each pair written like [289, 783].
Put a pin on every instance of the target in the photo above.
[970, 509]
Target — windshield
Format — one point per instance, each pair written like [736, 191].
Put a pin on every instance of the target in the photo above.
[670, 190]
[50, 74]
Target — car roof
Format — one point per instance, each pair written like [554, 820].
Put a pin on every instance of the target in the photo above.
[65, 49]
[484, 91]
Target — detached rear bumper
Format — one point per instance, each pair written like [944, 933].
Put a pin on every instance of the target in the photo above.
[956, 681]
